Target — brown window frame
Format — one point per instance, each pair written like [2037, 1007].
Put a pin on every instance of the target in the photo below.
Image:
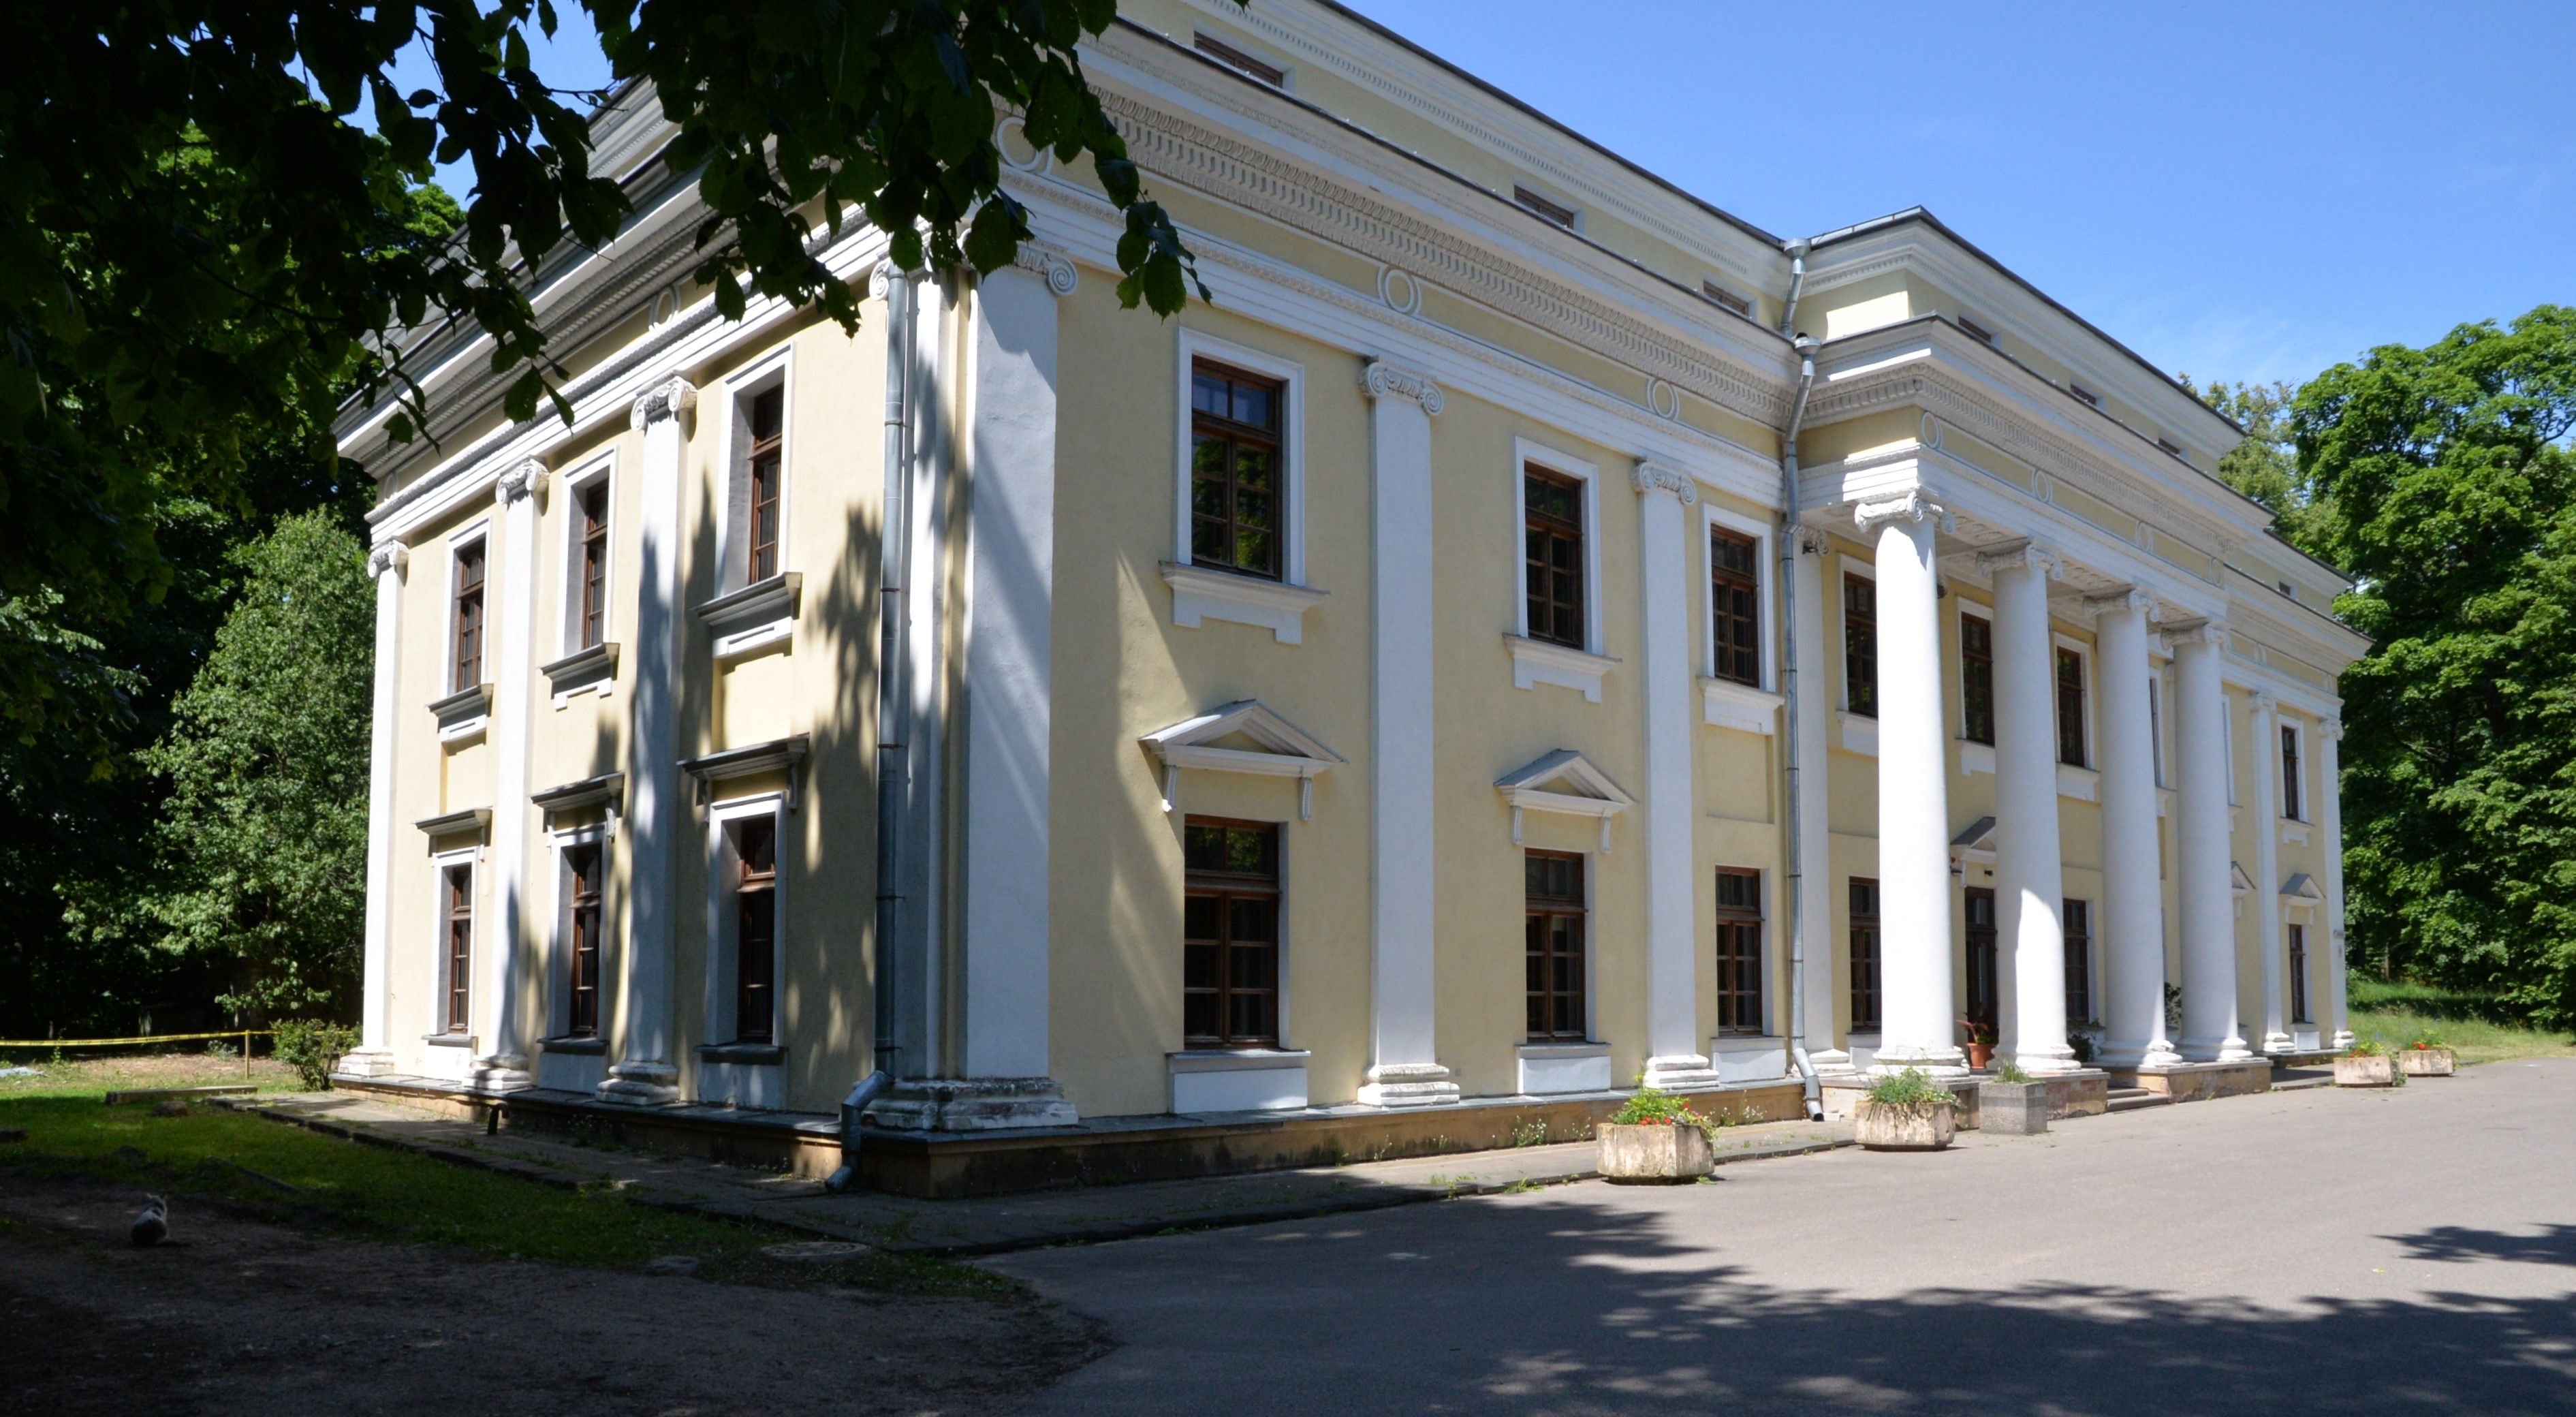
[2293, 778]
[2076, 923]
[1726, 299]
[1237, 60]
[1860, 645]
[591, 505]
[755, 929]
[2295, 941]
[1984, 957]
[465, 617]
[1551, 617]
[1740, 1002]
[1237, 1014]
[1735, 607]
[456, 883]
[1868, 1004]
[2070, 708]
[765, 484]
[584, 869]
[1556, 946]
[1217, 532]
[1546, 208]
[1977, 678]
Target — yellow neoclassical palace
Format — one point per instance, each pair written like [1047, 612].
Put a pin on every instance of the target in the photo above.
[1530, 631]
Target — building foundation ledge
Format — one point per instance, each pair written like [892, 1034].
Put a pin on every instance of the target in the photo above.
[2198, 1082]
[973, 1105]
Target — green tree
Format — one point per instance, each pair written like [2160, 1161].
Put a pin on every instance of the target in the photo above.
[2266, 466]
[2452, 496]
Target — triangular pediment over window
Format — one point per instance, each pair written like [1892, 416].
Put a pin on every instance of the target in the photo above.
[1241, 737]
[2302, 887]
[1566, 782]
[2237, 880]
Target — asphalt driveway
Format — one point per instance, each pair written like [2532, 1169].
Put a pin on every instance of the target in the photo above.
[2310, 1252]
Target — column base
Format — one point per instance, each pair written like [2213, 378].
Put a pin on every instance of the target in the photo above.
[1943, 1062]
[1408, 1085]
[1679, 1072]
[2343, 1039]
[362, 1063]
[640, 1083]
[2279, 1043]
[973, 1105]
[1832, 1063]
[2215, 1050]
[2155, 1053]
[500, 1072]
[2045, 1062]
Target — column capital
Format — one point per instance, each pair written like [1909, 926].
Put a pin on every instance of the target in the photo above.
[1380, 379]
[520, 480]
[1812, 541]
[1912, 505]
[668, 399]
[2014, 555]
[2264, 703]
[390, 556]
[1050, 265]
[2330, 730]
[2208, 632]
[2122, 601]
[1652, 476]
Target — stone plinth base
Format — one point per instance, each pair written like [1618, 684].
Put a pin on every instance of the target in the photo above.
[2199, 1082]
[973, 1105]
[2085, 1092]
[2013, 1109]
[362, 1063]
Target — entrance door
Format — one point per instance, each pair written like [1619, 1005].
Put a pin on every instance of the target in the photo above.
[1985, 1005]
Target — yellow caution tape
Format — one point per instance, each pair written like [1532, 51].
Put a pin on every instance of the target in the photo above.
[147, 1038]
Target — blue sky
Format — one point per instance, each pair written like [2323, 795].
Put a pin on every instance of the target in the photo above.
[2235, 190]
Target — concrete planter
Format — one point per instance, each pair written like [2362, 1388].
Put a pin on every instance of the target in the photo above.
[1882, 1126]
[2013, 1109]
[2365, 1070]
[1651, 1152]
[2428, 1062]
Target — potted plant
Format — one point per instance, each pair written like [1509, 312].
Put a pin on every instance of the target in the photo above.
[2012, 1103]
[2367, 1065]
[1905, 1111]
[1981, 1042]
[2427, 1057]
[1655, 1137]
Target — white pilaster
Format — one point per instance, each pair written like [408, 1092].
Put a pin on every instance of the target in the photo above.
[1913, 793]
[2330, 824]
[2030, 884]
[2132, 924]
[2267, 870]
[2209, 1021]
[373, 1056]
[644, 1072]
[519, 490]
[1673, 1059]
[1404, 1062]
[1815, 821]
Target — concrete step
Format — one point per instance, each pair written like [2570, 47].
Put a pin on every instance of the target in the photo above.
[2130, 1099]
[2299, 1082]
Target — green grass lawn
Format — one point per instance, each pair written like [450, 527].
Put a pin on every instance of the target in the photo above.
[2474, 1025]
[299, 1178]
[90, 1073]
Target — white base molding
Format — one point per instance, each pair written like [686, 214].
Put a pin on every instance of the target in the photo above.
[1564, 1067]
[1832, 1063]
[1749, 1058]
[1408, 1085]
[363, 1063]
[1679, 1072]
[2342, 1039]
[1942, 1062]
[501, 1072]
[2279, 1043]
[2156, 1054]
[641, 1084]
[1237, 1080]
[2042, 1062]
[973, 1105]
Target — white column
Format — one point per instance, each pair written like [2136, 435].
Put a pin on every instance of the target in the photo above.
[1010, 607]
[1913, 793]
[504, 1064]
[2209, 1025]
[2266, 808]
[374, 1055]
[1816, 879]
[2330, 824]
[644, 1072]
[1673, 1059]
[1404, 1061]
[2030, 880]
[2132, 923]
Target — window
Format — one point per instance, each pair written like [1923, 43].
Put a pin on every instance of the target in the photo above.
[2079, 960]
[1976, 331]
[766, 483]
[2288, 591]
[1552, 527]
[1727, 299]
[1735, 605]
[1864, 955]
[1557, 212]
[592, 626]
[1235, 470]
[1230, 934]
[1739, 950]
[2299, 974]
[2084, 393]
[2291, 806]
[755, 907]
[582, 870]
[468, 617]
[1243, 63]
[1985, 1001]
[2170, 448]
[1977, 679]
[1553, 883]
[457, 885]
[2070, 707]
[1860, 645]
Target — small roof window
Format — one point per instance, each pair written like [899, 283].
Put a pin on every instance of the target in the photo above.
[1720, 295]
[2171, 448]
[1976, 331]
[2083, 393]
[1243, 63]
[1554, 211]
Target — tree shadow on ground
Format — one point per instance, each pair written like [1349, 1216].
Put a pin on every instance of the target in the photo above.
[2555, 1244]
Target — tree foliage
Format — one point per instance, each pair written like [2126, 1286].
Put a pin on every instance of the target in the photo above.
[2450, 491]
[2266, 466]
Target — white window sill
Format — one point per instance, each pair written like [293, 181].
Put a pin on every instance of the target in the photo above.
[757, 617]
[2082, 784]
[448, 1040]
[1200, 594]
[1536, 662]
[584, 671]
[1975, 757]
[463, 715]
[1859, 733]
[1723, 703]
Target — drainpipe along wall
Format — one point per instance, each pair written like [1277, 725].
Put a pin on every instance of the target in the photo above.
[1788, 582]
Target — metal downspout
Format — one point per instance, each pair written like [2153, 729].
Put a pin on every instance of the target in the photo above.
[1788, 579]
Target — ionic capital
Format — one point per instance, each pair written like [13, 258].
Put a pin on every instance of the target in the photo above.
[520, 480]
[668, 399]
[1912, 505]
[1652, 476]
[1812, 541]
[2197, 632]
[2128, 600]
[2021, 555]
[2330, 730]
[391, 556]
[1380, 379]
[2264, 703]
[1049, 265]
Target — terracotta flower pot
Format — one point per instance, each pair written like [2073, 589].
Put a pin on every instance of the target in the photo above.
[1654, 1152]
[2428, 1062]
[2365, 1070]
[1885, 1126]
[1981, 1055]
